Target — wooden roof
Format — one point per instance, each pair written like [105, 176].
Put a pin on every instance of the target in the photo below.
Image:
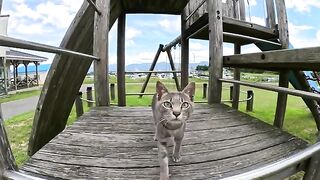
[14, 55]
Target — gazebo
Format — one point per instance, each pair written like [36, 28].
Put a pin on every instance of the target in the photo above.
[15, 81]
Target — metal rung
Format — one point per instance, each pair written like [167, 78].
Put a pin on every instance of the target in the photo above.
[135, 72]
[134, 94]
[17, 43]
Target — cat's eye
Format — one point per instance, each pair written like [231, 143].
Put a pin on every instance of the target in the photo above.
[167, 104]
[185, 105]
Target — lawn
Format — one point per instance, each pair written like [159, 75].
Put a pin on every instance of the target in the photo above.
[298, 120]
[19, 95]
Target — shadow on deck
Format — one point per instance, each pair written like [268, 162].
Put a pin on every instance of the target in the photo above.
[118, 142]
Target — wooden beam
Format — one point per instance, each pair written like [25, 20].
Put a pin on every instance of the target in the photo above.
[282, 100]
[303, 59]
[236, 76]
[100, 49]
[282, 23]
[121, 78]
[173, 69]
[242, 9]
[184, 66]
[154, 62]
[7, 161]
[271, 14]
[294, 92]
[215, 50]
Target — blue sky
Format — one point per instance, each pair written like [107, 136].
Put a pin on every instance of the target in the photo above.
[46, 22]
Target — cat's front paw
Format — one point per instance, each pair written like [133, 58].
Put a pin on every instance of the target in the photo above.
[176, 157]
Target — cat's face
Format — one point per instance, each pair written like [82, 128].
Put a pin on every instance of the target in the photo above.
[175, 107]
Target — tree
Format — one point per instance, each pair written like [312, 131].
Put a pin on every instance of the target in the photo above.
[202, 68]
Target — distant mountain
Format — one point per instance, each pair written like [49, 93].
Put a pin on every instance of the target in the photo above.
[161, 66]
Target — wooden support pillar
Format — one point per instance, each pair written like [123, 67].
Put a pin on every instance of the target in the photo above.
[236, 9]
[215, 50]
[231, 92]
[175, 77]
[282, 23]
[7, 161]
[205, 89]
[79, 105]
[0, 6]
[250, 97]
[121, 81]
[89, 96]
[271, 14]
[112, 92]
[37, 73]
[26, 72]
[184, 66]
[154, 62]
[236, 76]
[100, 49]
[282, 100]
[242, 10]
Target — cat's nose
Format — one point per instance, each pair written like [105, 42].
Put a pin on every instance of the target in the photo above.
[176, 113]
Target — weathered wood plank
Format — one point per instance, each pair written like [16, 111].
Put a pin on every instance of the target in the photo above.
[7, 161]
[184, 66]
[281, 100]
[121, 42]
[282, 23]
[271, 14]
[215, 51]
[236, 76]
[100, 49]
[299, 59]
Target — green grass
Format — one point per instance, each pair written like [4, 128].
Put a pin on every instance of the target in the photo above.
[19, 95]
[298, 120]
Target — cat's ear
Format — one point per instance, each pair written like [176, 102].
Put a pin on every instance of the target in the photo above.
[190, 90]
[161, 89]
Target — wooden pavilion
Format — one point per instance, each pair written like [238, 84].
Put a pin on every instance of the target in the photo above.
[116, 142]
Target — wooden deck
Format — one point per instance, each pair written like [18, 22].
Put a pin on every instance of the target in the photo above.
[117, 143]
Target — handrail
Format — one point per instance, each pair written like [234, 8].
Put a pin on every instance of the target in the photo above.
[293, 92]
[195, 10]
[17, 43]
[278, 166]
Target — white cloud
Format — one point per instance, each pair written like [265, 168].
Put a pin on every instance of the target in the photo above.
[302, 5]
[297, 39]
[253, 2]
[170, 24]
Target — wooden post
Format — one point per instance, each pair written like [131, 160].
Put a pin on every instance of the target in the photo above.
[215, 50]
[236, 9]
[282, 100]
[121, 81]
[89, 96]
[236, 76]
[231, 92]
[154, 62]
[112, 92]
[7, 161]
[100, 49]
[79, 105]
[37, 73]
[0, 6]
[173, 69]
[250, 96]
[282, 23]
[242, 9]
[271, 16]
[313, 167]
[26, 72]
[184, 66]
[205, 89]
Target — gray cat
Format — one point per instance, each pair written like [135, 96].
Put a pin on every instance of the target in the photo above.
[170, 113]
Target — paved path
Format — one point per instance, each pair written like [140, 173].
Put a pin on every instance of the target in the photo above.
[13, 108]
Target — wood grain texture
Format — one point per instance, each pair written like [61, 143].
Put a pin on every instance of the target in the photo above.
[281, 100]
[117, 143]
[215, 51]
[282, 23]
[121, 43]
[298, 59]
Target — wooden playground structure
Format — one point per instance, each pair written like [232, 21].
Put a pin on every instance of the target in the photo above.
[116, 142]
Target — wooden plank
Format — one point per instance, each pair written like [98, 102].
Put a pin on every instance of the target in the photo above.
[271, 14]
[282, 100]
[215, 51]
[7, 161]
[184, 66]
[298, 59]
[293, 92]
[175, 77]
[236, 76]
[282, 23]
[100, 49]
[242, 9]
[155, 6]
[121, 78]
